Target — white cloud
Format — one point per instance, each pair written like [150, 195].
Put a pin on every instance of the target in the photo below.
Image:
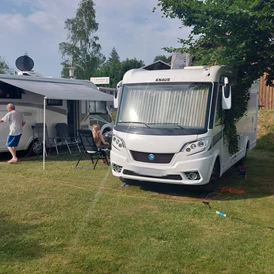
[134, 30]
[130, 26]
[39, 33]
[12, 23]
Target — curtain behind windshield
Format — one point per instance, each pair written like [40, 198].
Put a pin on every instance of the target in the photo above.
[165, 104]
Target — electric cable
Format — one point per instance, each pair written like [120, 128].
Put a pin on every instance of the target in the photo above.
[237, 218]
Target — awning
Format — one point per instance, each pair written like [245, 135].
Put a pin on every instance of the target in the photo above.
[52, 88]
[68, 89]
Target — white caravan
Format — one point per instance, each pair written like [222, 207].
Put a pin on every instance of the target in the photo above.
[27, 93]
[168, 127]
[100, 114]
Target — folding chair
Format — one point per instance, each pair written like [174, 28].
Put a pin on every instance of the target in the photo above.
[49, 142]
[90, 148]
[64, 137]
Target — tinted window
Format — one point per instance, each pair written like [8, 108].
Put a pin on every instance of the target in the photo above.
[10, 92]
[219, 109]
[54, 102]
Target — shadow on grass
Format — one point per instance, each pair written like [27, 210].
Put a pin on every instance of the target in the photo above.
[232, 185]
[70, 159]
[13, 245]
[259, 181]
[17, 242]
[5, 156]
[266, 142]
[25, 156]
[172, 190]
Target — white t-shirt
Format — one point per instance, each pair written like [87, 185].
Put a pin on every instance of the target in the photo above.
[15, 119]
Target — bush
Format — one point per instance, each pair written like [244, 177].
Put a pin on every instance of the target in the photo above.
[265, 137]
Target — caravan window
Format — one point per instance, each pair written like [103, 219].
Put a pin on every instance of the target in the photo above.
[97, 107]
[54, 102]
[10, 92]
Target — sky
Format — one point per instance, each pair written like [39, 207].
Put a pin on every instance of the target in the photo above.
[37, 27]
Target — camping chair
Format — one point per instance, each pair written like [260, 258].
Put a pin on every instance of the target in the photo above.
[91, 149]
[62, 134]
[49, 142]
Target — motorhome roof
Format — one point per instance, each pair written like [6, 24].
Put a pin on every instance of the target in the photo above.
[47, 79]
[188, 74]
[57, 88]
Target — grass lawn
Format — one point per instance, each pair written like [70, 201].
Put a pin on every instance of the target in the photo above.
[67, 220]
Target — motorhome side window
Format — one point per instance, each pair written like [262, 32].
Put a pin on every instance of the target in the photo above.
[54, 102]
[97, 107]
[10, 92]
[222, 80]
[219, 109]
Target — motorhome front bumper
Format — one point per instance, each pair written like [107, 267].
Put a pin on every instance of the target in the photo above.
[189, 172]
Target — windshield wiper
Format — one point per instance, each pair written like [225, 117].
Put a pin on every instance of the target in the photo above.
[131, 122]
[178, 125]
[166, 124]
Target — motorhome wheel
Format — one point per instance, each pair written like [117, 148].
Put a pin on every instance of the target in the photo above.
[35, 147]
[243, 160]
[215, 175]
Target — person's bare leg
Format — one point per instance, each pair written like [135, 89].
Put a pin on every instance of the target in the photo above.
[12, 151]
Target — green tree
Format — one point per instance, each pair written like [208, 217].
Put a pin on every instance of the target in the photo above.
[162, 58]
[115, 69]
[4, 68]
[111, 68]
[81, 49]
[237, 33]
[130, 64]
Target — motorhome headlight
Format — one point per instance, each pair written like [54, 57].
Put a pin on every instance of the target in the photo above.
[195, 147]
[117, 142]
[201, 143]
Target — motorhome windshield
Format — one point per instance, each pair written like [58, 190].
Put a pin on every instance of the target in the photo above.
[165, 105]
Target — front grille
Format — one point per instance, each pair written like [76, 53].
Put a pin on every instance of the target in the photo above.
[159, 158]
[175, 177]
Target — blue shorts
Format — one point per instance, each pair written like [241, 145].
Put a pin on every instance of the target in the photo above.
[13, 141]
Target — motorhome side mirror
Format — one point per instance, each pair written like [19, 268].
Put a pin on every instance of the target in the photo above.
[226, 94]
[115, 99]
[117, 94]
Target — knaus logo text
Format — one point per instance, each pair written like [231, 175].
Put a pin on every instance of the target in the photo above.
[162, 80]
[27, 113]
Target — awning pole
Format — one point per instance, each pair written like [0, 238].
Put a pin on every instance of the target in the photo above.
[44, 134]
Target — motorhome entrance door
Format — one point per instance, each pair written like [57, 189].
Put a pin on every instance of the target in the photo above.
[73, 108]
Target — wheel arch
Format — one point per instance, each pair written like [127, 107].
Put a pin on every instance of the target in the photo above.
[218, 159]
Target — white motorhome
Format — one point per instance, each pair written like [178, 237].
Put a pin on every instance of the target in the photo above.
[168, 127]
[100, 114]
[68, 101]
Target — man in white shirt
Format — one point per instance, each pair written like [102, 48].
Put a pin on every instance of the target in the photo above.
[16, 121]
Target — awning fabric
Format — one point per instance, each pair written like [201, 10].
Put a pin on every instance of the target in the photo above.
[50, 88]
[65, 89]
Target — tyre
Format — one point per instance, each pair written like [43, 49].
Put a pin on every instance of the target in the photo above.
[106, 130]
[35, 148]
[243, 160]
[214, 178]
[215, 174]
[107, 133]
